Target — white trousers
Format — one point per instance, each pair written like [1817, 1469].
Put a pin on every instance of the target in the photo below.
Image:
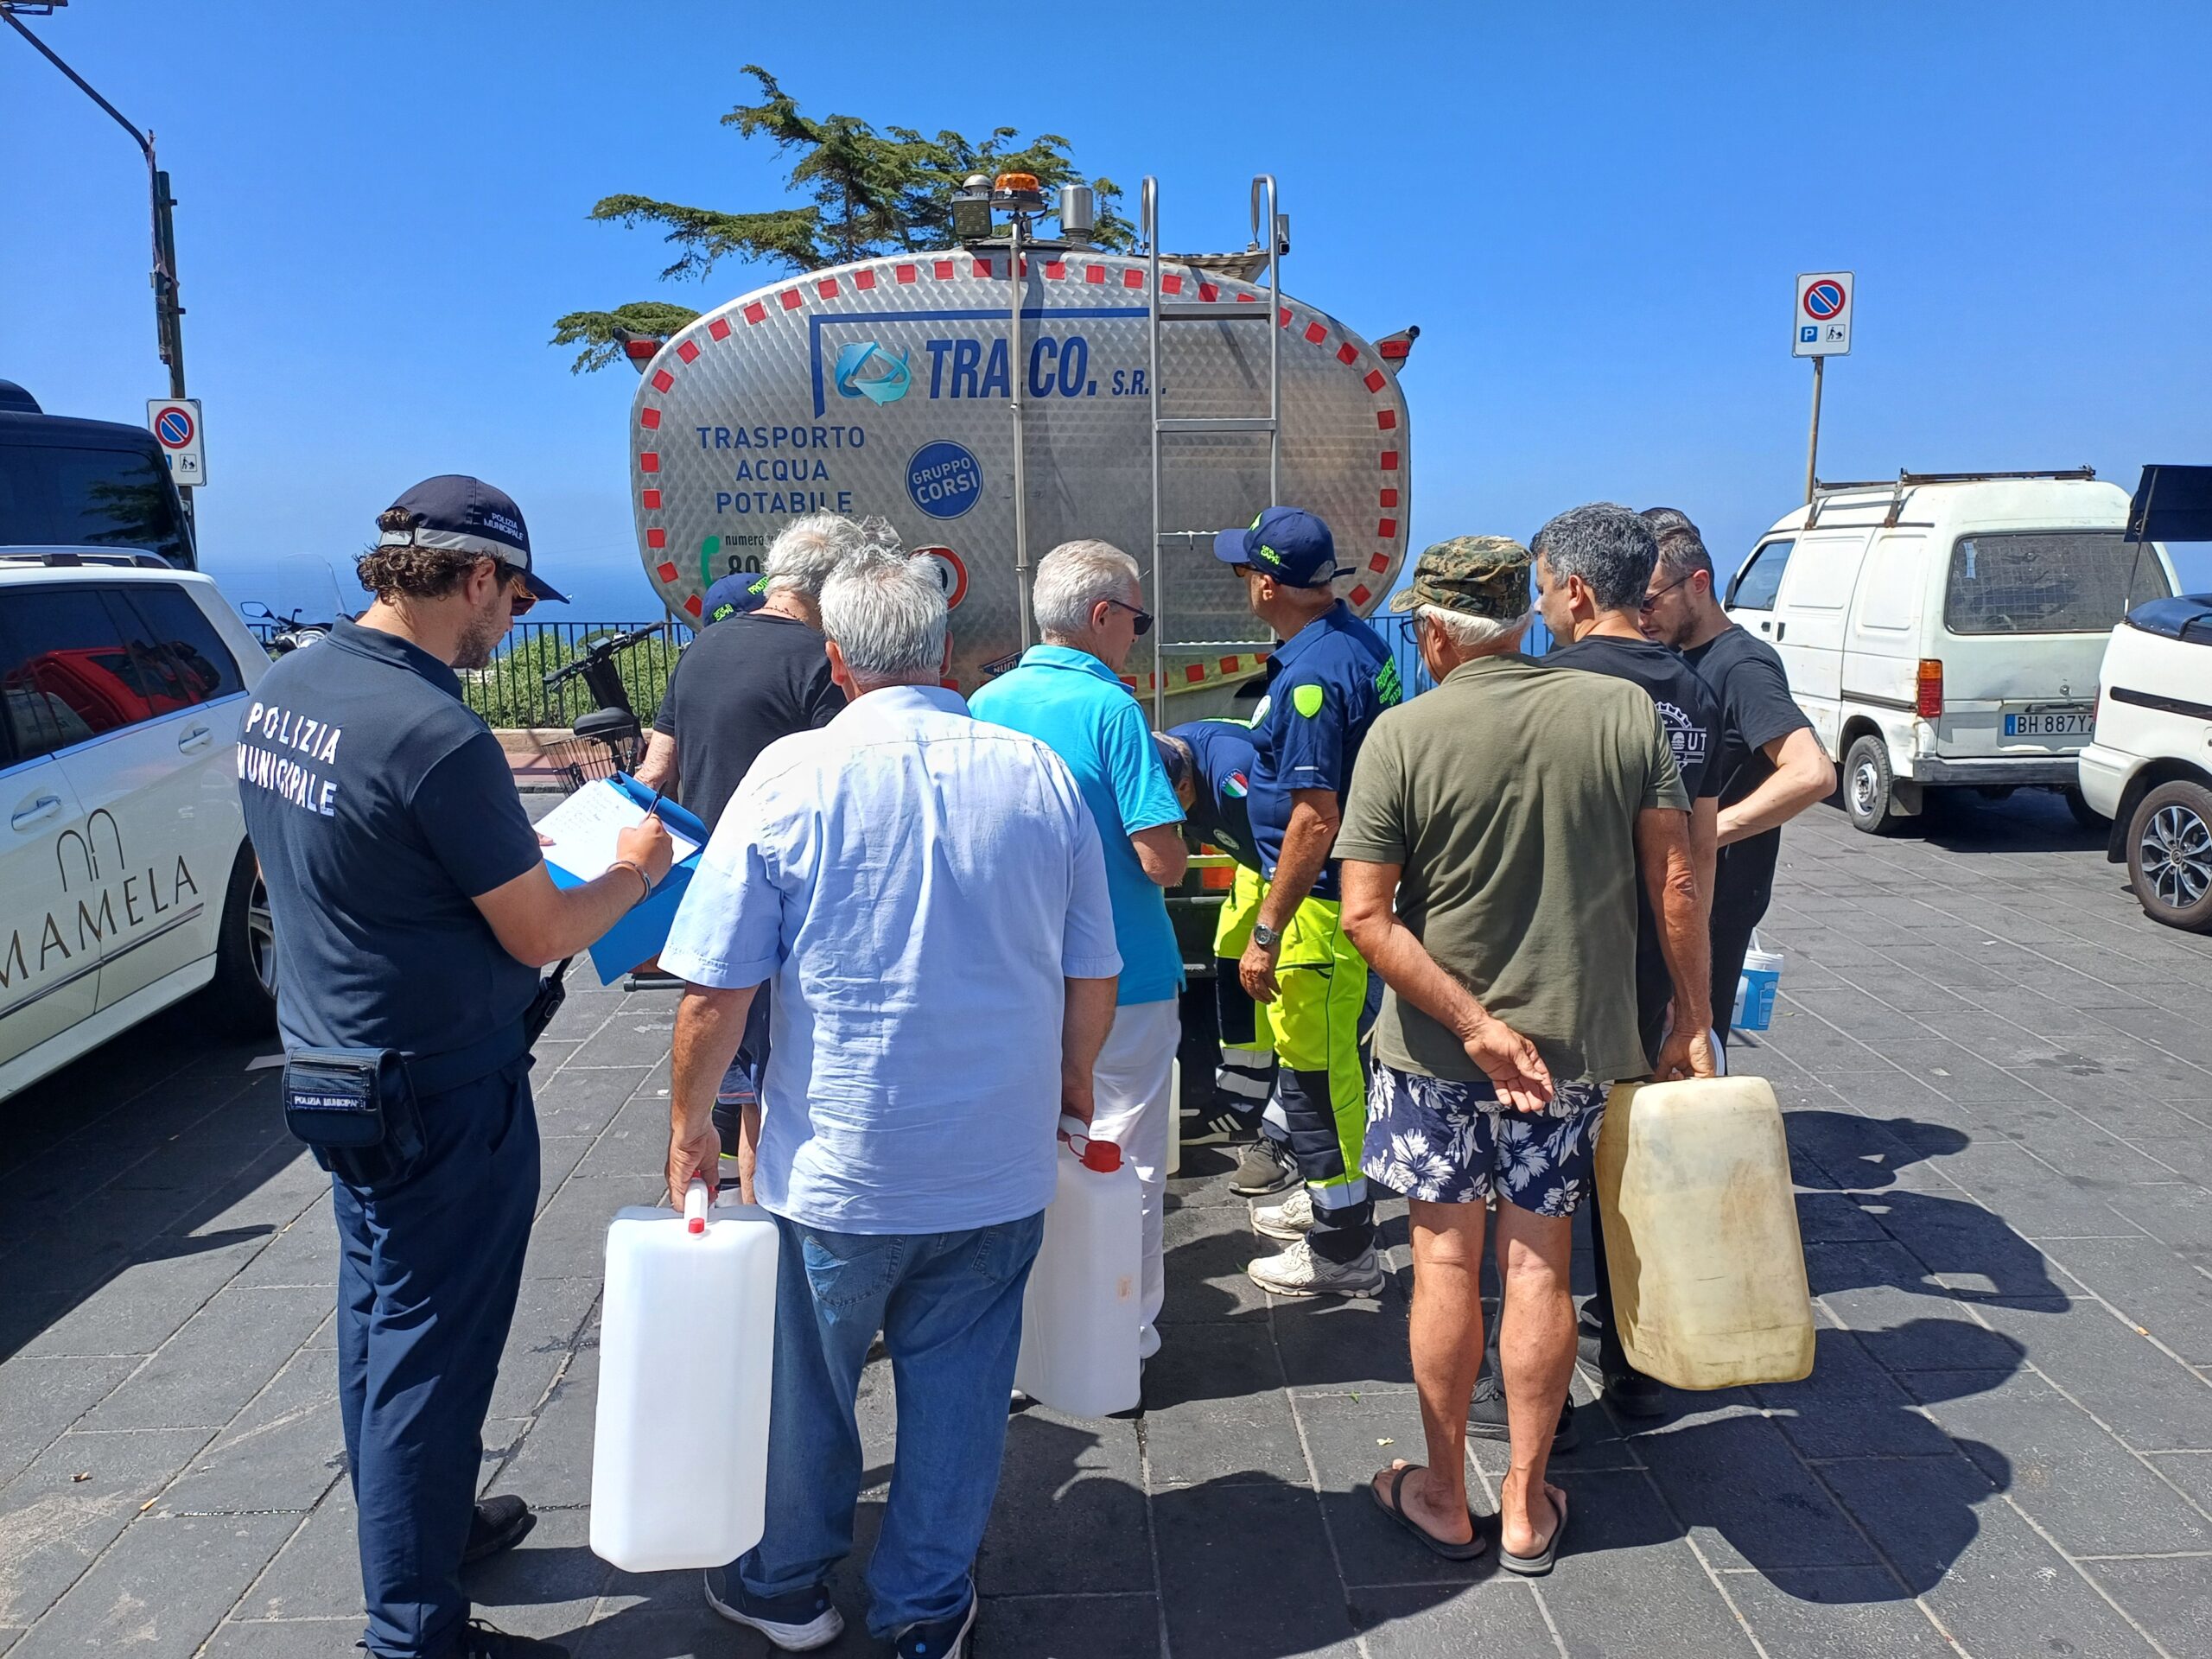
[1132, 1085]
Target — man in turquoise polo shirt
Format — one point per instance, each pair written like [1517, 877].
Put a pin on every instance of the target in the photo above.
[1067, 694]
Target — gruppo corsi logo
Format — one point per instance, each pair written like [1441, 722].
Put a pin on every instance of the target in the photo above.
[865, 369]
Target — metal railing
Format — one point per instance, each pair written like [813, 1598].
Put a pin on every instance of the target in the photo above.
[509, 690]
[1397, 632]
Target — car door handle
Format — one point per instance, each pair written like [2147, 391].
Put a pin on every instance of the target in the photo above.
[1766, 627]
[37, 811]
[1781, 628]
[195, 737]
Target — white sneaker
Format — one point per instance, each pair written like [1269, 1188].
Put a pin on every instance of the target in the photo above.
[1292, 1219]
[1298, 1271]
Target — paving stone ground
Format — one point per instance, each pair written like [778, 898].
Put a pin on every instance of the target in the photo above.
[1999, 1077]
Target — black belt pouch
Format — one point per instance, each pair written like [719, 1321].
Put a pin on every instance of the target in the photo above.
[355, 1109]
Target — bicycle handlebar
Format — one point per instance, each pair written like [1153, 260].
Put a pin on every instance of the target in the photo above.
[603, 650]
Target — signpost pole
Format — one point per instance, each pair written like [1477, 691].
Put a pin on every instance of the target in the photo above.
[1014, 394]
[1812, 439]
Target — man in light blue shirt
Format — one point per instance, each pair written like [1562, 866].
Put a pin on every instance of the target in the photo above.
[1067, 693]
[927, 893]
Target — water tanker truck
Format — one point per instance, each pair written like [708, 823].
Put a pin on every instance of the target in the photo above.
[994, 399]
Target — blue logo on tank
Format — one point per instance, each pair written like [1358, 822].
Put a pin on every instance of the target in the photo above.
[944, 479]
[865, 369]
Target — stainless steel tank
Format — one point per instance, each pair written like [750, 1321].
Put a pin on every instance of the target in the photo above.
[881, 387]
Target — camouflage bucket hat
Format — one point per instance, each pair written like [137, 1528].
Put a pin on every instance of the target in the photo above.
[1475, 575]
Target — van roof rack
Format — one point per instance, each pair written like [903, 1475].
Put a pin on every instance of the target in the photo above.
[62, 558]
[1904, 481]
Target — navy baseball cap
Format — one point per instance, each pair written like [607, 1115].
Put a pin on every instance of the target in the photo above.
[469, 515]
[734, 595]
[1289, 543]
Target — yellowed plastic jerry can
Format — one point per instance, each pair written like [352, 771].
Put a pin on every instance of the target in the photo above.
[1701, 1220]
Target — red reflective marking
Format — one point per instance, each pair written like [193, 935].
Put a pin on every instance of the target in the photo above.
[1133, 278]
[1380, 562]
[1316, 333]
[793, 299]
[863, 279]
[982, 268]
[1254, 299]
[1056, 269]
[1360, 594]
[1375, 380]
[1389, 462]
[689, 351]
[667, 571]
[755, 312]
[906, 273]
[1386, 418]
[1195, 673]
[1171, 283]
[942, 268]
[650, 418]
[648, 462]
[1209, 292]
[1347, 354]
[1389, 498]
[650, 500]
[827, 288]
[1094, 273]
[1229, 664]
[1386, 528]
[655, 539]
[693, 606]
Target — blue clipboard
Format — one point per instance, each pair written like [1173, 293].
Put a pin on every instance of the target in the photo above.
[639, 936]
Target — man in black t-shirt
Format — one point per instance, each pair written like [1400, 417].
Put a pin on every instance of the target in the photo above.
[754, 676]
[1772, 766]
[1593, 565]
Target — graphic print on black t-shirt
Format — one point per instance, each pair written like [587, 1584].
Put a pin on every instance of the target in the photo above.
[1687, 710]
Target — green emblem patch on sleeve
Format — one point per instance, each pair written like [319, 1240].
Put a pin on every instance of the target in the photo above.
[1306, 699]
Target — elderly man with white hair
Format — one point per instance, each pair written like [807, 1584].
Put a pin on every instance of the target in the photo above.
[1491, 843]
[755, 676]
[1067, 693]
[927, 895]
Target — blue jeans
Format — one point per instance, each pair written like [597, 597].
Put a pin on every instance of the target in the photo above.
[429, 1265]
[950, 1307]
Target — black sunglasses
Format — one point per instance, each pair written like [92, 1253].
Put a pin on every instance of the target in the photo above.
[1651, 602]
[1143, 616]
[520, 598]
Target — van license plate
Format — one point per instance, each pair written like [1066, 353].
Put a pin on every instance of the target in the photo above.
[2052, 722]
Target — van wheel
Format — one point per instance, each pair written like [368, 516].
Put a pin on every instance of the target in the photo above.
[2085, 815]
[1866, 787]
[2169, 855]
[241, 999]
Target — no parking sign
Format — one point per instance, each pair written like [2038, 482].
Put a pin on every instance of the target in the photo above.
[1820, 324]
[174, 423]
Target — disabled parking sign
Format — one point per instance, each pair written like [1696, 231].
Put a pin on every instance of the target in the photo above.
[1820, 324]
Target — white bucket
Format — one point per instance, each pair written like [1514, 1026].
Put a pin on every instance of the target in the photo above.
[1755, 990]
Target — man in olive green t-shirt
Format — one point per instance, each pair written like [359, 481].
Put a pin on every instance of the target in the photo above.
[1493, 836]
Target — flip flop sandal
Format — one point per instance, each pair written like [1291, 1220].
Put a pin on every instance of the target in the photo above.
[1393, 1506]
[1535, 1566]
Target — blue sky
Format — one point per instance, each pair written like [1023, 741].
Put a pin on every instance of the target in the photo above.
[1594, 214]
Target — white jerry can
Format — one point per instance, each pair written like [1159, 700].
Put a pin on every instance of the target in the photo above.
[1081, 1314]
[679, 1463]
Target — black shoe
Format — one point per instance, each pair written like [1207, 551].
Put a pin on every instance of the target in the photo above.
[1261, 1168]
[1217, 1125]
[939, 1639]
[1587, 1336]
[480, 1641]
[1486, 1417]
[499, 1524]
[1634, 1394]
[798, 1623]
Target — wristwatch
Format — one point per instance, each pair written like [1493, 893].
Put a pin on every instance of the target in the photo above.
[1265, 936]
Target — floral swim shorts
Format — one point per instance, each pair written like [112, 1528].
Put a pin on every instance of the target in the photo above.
[1450, 1143]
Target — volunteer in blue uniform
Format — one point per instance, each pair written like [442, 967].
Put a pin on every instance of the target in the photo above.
[412, 910]
[1326, 683]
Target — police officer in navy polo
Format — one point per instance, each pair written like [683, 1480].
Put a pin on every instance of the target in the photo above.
[413, 912]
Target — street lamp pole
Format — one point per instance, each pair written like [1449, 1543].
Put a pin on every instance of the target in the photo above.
[168, 314]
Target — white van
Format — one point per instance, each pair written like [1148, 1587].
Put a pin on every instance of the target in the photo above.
[1944, 631]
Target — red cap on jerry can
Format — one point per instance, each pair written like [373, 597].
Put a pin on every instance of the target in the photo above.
[1103, 1156]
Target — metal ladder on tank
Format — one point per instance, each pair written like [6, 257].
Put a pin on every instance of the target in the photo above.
[1164, 314]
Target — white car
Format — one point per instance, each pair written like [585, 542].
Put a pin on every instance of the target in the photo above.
[1943, 630]
[126, 880]
[2150, 767]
